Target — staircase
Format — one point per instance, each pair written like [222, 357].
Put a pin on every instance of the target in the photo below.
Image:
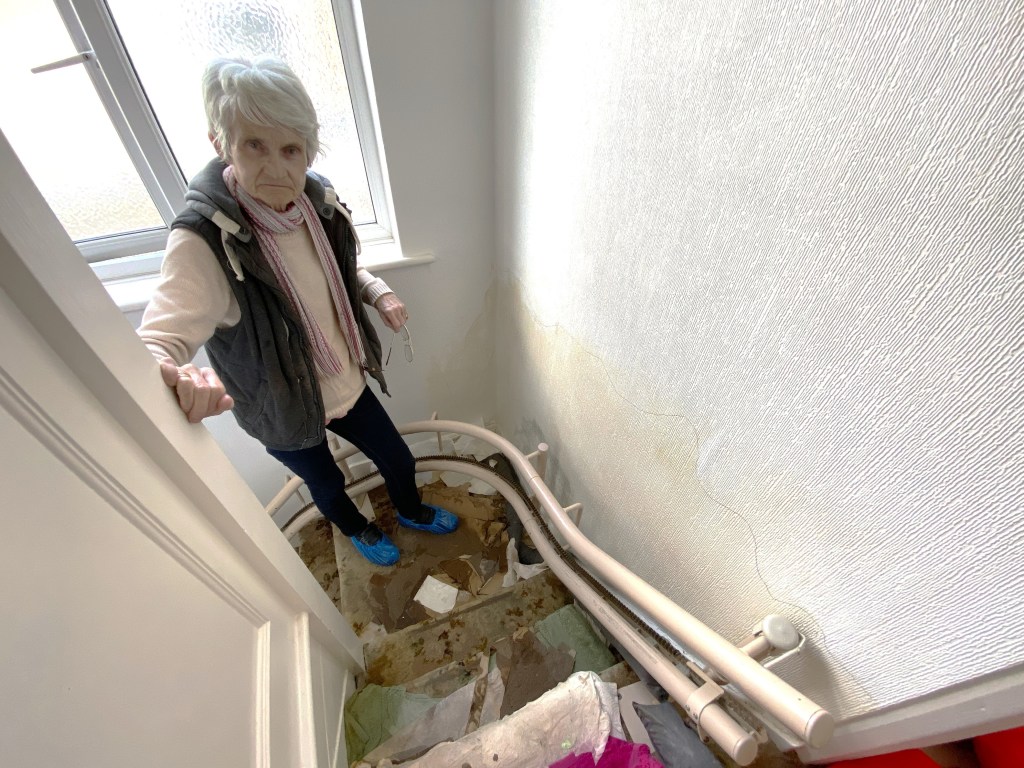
[528, 635]
[505, 646]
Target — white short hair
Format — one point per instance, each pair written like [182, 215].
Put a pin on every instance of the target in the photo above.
[264, 91]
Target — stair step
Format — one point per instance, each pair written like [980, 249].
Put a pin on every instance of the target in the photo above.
[444, 681]
[621, 674]
[412, 652]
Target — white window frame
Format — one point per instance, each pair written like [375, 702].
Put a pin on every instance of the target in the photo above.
[138, 254]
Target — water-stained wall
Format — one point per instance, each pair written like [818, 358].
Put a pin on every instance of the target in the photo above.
[762, 290]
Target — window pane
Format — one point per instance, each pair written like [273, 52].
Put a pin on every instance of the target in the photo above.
[171, 42]
[63, 136]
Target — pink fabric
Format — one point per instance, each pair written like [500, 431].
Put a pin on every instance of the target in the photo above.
[617, 754]
[266, 222]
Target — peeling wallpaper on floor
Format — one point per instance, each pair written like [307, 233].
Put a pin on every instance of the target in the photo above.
[764, 296]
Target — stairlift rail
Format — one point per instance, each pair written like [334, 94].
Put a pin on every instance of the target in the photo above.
[715, 721]
[803, 717]
[798, 713]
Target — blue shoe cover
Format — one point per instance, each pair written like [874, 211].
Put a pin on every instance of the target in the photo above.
[375, 546]
[443, 522]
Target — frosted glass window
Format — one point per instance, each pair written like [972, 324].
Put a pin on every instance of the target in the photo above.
[61, 132]
[170, 43]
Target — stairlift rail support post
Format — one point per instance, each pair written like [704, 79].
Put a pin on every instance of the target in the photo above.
[775, 633]
[575, 511]
[539, 459]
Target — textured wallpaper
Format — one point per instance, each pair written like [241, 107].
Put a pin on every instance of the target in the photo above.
[761, 272]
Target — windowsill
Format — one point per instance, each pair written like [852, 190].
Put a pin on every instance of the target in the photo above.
[378, 258]
[133, 293]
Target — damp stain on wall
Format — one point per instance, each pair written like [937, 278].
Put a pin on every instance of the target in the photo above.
[632, 460]
[461, 381]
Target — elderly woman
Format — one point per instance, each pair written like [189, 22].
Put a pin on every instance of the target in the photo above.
[261, 268]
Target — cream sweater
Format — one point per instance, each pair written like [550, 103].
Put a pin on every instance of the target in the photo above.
[194, 299]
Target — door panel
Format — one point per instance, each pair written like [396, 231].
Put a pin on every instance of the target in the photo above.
[132, 631]
[107, 642]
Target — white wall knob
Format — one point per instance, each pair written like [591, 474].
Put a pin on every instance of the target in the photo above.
[780, 632]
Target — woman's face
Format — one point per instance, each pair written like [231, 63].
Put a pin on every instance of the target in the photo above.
[270, 163]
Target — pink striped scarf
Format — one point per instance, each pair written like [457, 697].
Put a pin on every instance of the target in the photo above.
[266, 222]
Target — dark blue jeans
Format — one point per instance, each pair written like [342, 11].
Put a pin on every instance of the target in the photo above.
[369, 428]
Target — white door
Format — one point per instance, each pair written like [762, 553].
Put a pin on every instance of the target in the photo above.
[152, 614]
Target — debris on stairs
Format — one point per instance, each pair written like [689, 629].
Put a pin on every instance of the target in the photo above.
[569, 627]
[616, 754]
[577, 716]
[465, 663]
[377, 713]
[666, 729]
[415, 650]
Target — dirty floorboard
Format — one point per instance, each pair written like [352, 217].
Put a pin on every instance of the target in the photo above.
[376, 599]
[419, 649]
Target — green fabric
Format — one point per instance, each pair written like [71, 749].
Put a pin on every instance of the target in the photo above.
[569, 627]
[374, 713]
